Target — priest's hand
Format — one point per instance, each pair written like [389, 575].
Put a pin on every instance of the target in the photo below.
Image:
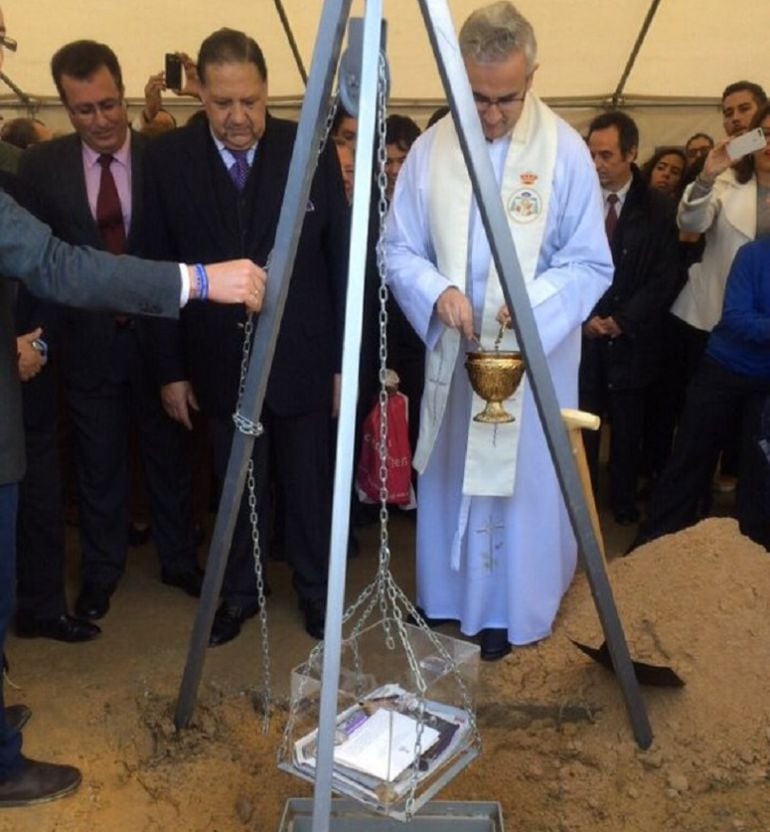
[235, 281]
[454, 310]
[178, 400]
[504, 318]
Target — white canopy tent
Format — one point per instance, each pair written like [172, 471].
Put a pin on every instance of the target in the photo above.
[690, 51]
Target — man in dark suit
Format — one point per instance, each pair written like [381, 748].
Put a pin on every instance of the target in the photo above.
[622, 336]
[218, 187]
[87, 187]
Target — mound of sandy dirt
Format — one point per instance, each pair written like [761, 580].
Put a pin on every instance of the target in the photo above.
[699, 602]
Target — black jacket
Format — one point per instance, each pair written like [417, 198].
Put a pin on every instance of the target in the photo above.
[645, 253]
[194, 214]
[54, 182]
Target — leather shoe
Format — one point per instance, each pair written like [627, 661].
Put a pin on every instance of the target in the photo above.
[314, 610]
[62, 628]
[494, 644]
[190, 581]
[227, 622]
[93, 601]
[431, 622]
[38, 782]
[626, 517]
[16, 717]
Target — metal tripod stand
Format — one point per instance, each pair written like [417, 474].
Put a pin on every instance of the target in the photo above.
[443, 40]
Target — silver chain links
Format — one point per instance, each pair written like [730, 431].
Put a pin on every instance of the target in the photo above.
[383, 293]
[267, 684]
[255, 429]
[243, 423]
[330, 115]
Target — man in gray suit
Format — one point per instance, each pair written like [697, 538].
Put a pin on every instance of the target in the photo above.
[95, 279]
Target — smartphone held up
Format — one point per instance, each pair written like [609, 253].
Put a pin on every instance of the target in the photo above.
[740, 146]
[173, 71]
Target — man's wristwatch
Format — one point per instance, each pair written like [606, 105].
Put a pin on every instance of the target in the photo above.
[40, 345]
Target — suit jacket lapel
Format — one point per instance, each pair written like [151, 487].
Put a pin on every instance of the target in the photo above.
[267, 182]
[628, 216]
[137, 147]
[81, 210]
[205, 186]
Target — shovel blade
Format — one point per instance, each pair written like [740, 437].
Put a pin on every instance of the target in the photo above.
[660, 676]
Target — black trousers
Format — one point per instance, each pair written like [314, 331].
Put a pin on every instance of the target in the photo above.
[625, 412]
[685, 346]
[101, 419]
[294, 454]
[10, 740]
[713, 398]
[40, 530]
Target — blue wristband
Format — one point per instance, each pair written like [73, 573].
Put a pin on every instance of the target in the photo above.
[202, 281]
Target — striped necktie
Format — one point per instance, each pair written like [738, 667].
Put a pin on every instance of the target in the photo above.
[239, 170]
[611, 220]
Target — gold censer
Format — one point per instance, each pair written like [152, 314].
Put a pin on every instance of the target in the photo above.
[495, 375]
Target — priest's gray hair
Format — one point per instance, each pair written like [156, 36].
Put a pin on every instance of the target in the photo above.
[493, 32]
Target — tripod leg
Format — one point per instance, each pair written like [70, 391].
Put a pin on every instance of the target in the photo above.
[303, 162]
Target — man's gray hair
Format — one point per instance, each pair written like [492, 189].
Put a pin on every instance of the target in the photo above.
[493, 32]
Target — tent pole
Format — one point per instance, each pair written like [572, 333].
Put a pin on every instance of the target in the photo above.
[292, 42]
[616, 96]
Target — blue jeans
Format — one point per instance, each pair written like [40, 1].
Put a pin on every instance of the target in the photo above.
[10, 741]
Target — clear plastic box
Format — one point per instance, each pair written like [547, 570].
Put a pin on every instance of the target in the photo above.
[394, 749]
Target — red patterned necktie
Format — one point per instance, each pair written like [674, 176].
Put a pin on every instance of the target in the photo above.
[611, 220]
[109, 213]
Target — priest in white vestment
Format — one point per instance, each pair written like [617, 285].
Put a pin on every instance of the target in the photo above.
[495, 550]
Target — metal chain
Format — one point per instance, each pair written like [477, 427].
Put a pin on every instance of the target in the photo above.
[382, 210]
[384, 593]
[243, 423]
[330, 116]
[246, 425]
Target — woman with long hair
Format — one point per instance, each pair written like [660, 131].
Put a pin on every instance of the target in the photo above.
[664, 171]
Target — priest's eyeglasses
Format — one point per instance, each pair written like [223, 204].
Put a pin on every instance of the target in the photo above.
[8, 43]
[504, 103]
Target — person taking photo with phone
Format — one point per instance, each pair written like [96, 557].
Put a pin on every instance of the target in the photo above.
[730, 203]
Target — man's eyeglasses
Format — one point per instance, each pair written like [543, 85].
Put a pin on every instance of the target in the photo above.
[9, 43]
[106, 108]
[504, 103]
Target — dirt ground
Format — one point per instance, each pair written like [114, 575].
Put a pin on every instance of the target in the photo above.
[558, 752]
